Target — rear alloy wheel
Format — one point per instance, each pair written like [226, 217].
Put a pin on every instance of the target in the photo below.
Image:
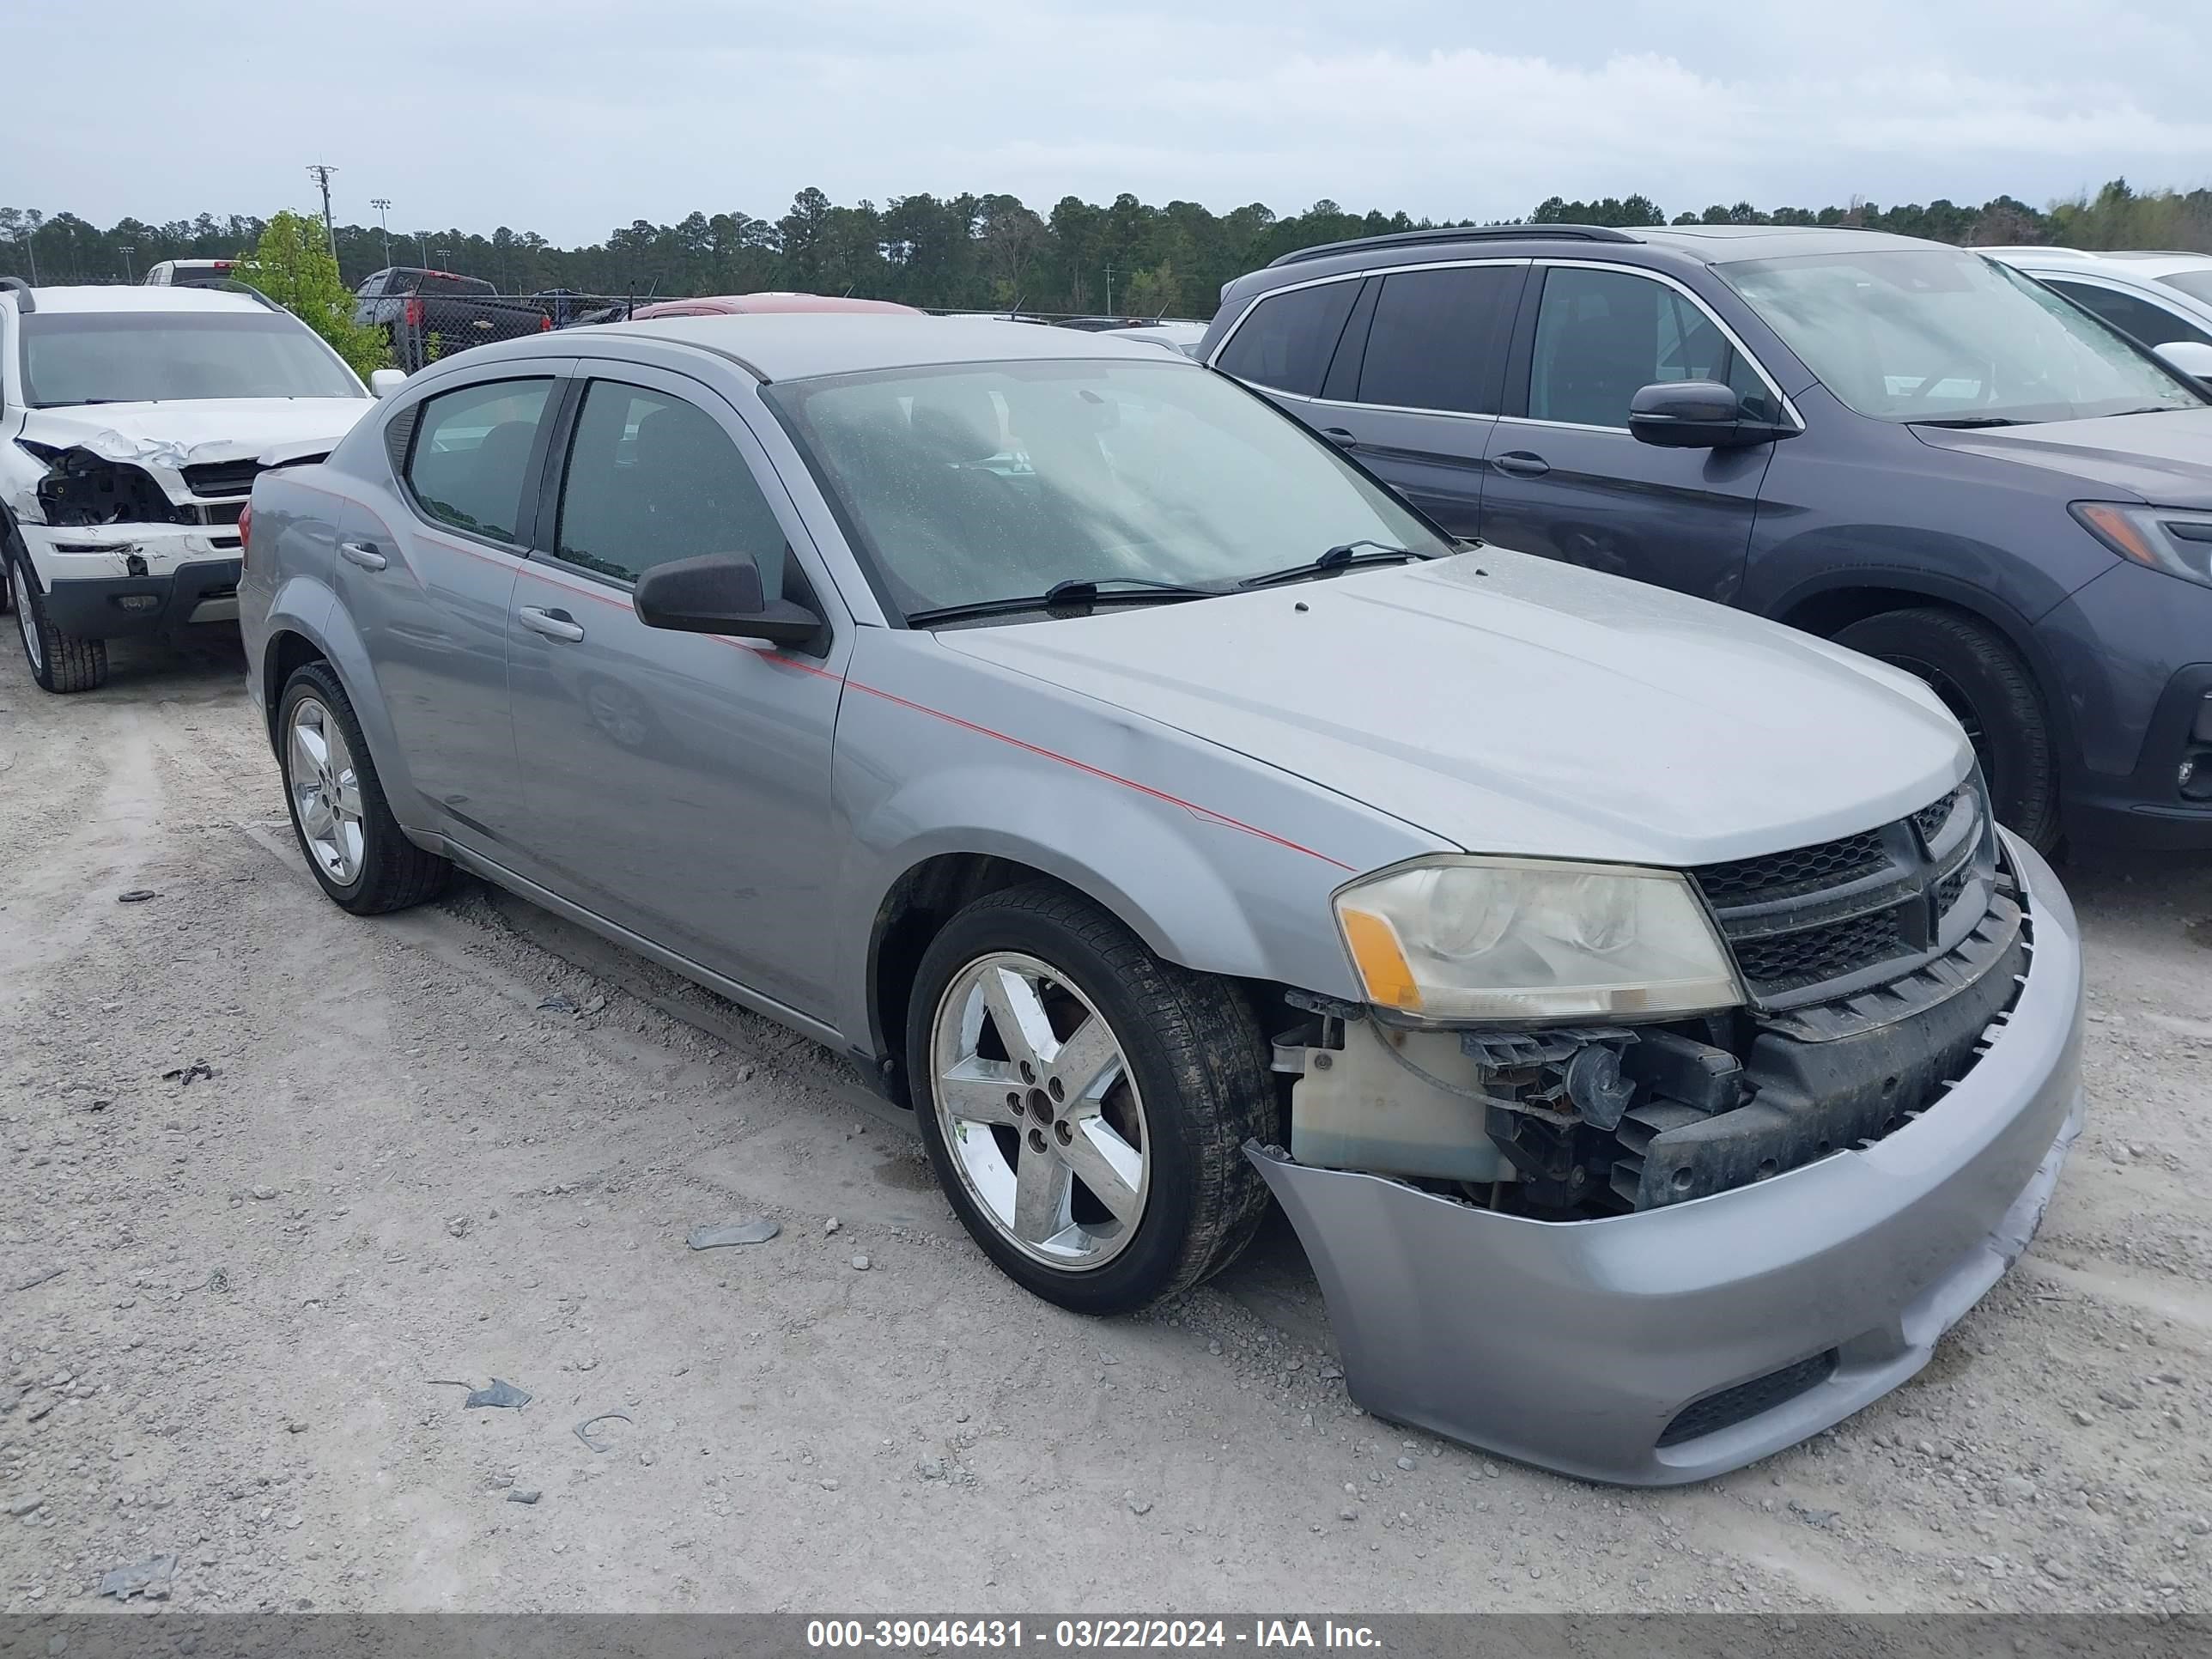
[360, 856]
[1990, 691]
[1085, 1103]
[59, 662]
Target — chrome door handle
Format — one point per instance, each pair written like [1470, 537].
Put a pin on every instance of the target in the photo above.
[362, 554]
[1339, 436]
[553, 624]
[1520, 463]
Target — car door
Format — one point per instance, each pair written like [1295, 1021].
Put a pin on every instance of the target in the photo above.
[429, 591]
[678, 784]
[1563, 477]
[1413, 388]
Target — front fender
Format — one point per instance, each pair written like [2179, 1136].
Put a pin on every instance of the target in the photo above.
[305, 606]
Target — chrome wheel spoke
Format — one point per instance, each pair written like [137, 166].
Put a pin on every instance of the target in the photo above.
[345, 797]
[1087, 1061]
[325, 792]
[976, 1091]
[311, 754]
[316, 819]
[1109, 1166]
[1018, 1015]
[1041, 1191]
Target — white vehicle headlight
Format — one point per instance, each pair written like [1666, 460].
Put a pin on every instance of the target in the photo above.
[1493, 938]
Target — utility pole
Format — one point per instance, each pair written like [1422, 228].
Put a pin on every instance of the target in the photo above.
[129, 248]
[383, 206]
[1110, 287]
[31, 253]
[320, 173]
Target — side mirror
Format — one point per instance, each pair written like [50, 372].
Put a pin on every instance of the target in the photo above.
[719, 593]
[383, 382]
[1697, 415]
[2189, 357]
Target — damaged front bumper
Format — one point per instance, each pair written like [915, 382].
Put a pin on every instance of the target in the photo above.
[111, 581]
[1679, 1343]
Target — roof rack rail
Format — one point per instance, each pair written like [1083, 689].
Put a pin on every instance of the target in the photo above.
[232, 285]
[1459, 233]
[22, 290]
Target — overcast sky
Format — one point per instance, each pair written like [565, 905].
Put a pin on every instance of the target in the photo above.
[569, 119]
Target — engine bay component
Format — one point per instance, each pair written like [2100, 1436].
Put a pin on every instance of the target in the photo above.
[83, 489]
[1399, 1103]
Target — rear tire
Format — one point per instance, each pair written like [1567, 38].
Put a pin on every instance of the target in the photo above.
[1986, 685]
[1193, 1085]
[59, 662]
[360, 856]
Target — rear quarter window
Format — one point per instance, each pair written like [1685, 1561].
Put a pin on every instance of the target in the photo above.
[1287, 338]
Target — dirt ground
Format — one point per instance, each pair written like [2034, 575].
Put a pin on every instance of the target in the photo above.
[467, 1142]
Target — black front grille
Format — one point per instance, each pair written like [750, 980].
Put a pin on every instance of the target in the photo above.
[222, 478]
[1818, 921]
[1746, 1400]
[1778, 875]
[1820, 953]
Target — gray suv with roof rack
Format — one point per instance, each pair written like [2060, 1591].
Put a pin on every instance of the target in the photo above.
[1893, 444]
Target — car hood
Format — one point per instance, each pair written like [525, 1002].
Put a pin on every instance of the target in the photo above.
[2165, 459]
[1507, 704]
[191, 433]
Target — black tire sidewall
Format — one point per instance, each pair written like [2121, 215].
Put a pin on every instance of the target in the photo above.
[2021, 769]
[34, 617]
[1149, 1263]
[316, 681]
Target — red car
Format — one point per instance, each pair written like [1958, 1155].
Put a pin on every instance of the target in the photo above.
[725, 304]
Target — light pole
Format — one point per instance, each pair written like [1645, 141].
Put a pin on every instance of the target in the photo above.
[1110, 287]
[129, 248]
[383, 206]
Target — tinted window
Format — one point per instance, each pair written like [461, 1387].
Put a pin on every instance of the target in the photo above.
[651, 479]
[1602, 336]
[1285, 341]
[1437, 338]
[471, 450]
[2139, 319]
[161, 356]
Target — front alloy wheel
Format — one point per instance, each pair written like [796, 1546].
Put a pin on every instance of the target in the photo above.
[1086, 1104]
[325, 792]
[1035, 1101]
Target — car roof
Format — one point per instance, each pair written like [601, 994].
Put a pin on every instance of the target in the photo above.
[712, 305]
[2133, 262]
[119, 297]
[800, 346]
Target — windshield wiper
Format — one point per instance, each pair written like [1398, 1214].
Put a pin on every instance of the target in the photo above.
[1342, 556]
[1962, 423]
[1077, 591]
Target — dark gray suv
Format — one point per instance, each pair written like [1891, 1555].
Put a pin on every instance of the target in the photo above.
[1899, 445]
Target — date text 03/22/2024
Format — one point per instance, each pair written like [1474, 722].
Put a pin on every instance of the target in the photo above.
[937, 1634]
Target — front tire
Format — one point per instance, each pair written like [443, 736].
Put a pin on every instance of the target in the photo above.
[1086, 1104]
[61, 662]
[360, 856]
[1990, 690]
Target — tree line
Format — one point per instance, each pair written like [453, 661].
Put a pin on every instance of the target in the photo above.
[992, 252]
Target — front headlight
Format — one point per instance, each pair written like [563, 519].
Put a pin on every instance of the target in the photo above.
[1491, 938]
[2168, 538]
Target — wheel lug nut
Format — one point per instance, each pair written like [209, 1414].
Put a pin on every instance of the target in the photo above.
[1028, 1072]
[1058, 1092]
[1036, 1140]
[1014, 1102]
[1064, 1134]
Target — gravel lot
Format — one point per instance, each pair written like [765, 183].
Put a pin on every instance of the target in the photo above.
[468, 1143]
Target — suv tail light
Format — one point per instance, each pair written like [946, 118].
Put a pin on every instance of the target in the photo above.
[544, 323]
[412, 313]
[245, 534]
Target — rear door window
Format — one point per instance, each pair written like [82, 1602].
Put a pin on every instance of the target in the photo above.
[1438, 339]
[1286, 339]
[471, 454]
[2139, 319]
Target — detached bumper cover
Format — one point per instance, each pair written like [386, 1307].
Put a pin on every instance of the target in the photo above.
[1680, 1343]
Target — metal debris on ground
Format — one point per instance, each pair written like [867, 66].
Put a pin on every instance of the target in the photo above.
[186, 1076]
[557, 1004]
[731, 1232]
[137, 895]
[32, 1281]
[148, 1578]
[584, 1429]
[498, 1393]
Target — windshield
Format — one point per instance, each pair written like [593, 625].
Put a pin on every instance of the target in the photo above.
[129, 357]
[2197, 284]
[1945, 336]
[996, 480]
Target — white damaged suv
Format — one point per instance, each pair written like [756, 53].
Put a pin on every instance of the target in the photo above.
[132, 423]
